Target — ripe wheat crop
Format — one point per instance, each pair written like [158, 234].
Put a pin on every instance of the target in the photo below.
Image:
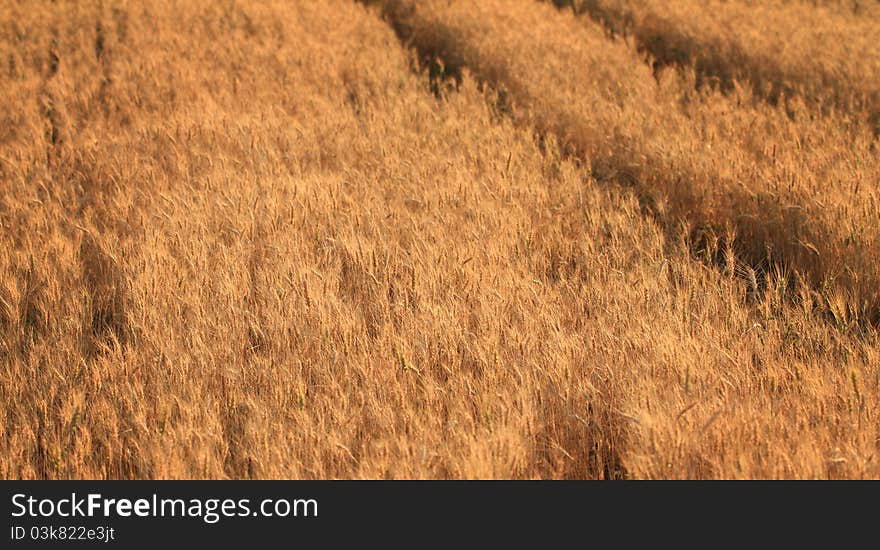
[823, 52]
[297, 239]
[710, 160]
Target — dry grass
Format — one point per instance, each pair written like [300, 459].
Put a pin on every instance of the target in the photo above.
[245, 239]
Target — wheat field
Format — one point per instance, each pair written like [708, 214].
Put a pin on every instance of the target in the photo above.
[439, 239]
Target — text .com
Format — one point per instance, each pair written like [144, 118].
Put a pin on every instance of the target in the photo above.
[210, 510]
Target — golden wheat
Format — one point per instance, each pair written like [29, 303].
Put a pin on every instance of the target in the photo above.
[245, 239]
[825, 52]
[805, 189]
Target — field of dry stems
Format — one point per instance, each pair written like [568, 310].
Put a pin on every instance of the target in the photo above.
[434, 239]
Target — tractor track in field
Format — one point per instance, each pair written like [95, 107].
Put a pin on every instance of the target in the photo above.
[772, 233]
